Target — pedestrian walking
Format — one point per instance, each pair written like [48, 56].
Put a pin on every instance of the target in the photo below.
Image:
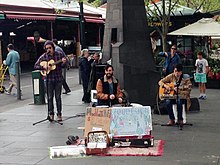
[12, 58]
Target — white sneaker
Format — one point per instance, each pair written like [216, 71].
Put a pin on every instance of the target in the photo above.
[204, 97]
[7, 93]
[200, 97]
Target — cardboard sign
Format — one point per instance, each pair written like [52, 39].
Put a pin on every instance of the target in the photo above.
[71, 151]
[97, 119]
[126, 121]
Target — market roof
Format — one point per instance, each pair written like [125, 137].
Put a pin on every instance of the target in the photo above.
[37, 9]
[178, 10]
[2, 15]
[29, 3]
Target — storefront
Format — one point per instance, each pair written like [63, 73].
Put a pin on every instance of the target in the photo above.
[29, 27]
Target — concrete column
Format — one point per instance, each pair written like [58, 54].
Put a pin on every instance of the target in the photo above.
[127, 41]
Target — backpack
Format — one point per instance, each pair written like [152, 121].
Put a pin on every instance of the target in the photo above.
[125, 98]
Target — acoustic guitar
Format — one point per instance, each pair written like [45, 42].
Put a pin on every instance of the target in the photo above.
[50, 63]
[171, 94]
[163, 92]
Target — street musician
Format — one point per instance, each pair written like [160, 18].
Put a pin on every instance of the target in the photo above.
[175, 88]
[51, 62]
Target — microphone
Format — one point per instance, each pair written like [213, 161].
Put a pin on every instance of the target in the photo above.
[177, 84]
[48, 52]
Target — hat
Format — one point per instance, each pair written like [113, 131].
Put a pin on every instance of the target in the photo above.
[48, 42]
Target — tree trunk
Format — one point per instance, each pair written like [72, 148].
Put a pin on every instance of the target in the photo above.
[164, 38]
[164, 42]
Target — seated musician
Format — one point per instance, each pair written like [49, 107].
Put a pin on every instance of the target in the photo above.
[181, 84]
[108, 89]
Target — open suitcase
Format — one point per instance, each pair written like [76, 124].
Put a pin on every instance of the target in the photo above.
[131, 127]
[96, 142]
[133, 141]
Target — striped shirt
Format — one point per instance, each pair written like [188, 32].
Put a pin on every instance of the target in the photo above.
[56, 74]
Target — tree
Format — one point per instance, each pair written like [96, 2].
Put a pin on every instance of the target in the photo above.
[204, 5]
[163, 16]
[169, 6]
[96, 3]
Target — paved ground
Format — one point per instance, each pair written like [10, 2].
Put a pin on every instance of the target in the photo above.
[27, 89]
[23, 143]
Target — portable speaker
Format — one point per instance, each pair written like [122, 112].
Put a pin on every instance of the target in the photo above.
[195, 106]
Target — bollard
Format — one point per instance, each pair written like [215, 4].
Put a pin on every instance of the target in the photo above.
[38, 87]
[64, 73]
[80, 81]
[18, 73]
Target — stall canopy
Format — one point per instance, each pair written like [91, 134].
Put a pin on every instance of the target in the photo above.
[178, 10]
[48, 10]
[2, 16]
[203, 27]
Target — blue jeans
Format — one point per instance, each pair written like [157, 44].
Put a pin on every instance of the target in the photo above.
[169, 104]
[54, 88]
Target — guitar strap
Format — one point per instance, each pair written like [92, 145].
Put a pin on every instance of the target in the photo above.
[179, 81]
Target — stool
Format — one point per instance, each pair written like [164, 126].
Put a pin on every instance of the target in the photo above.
[183, 114]
[94, 96]
[136, 105]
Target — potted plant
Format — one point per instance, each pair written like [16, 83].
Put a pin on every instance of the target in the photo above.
[213, 80]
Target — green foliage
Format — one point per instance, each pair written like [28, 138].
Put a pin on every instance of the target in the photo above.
[96, 3]
[59, 11]
[202, 5]
[214, 64]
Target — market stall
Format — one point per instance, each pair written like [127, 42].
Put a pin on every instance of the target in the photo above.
[206, 27]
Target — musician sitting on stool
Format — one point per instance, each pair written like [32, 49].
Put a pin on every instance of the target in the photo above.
[108, 88]
[54, 78]
[181, 88]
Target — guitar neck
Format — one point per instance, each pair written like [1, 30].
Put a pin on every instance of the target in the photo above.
[57, 62]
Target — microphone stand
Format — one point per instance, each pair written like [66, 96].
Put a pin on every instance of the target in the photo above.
[110, 103]
[177, 100]
[48, 115]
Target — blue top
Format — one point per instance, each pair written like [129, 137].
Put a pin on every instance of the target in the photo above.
[59, 49]
[170, 62]
[111, 91]
[12, 57]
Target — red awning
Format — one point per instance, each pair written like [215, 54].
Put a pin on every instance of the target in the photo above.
[93, 20]
[30, 17]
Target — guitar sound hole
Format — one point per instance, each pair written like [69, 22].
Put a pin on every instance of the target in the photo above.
[167, 92]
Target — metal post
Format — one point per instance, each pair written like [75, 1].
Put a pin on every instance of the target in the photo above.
[64, 73]
[18, 80]
[80, 80]
[82, 32]
[51, 30]
[82, 26]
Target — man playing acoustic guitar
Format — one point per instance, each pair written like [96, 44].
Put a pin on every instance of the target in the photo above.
[181, 84]
[51, 63]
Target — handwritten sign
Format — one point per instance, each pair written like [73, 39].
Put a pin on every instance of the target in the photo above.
[127, 121]
[97, 119]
